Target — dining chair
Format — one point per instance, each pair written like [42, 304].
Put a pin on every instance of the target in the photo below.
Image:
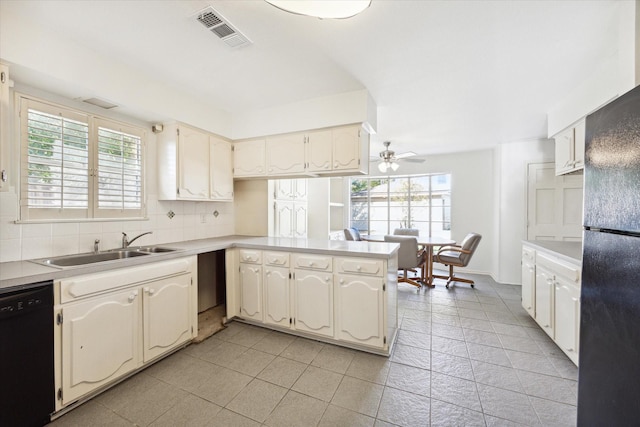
[409, 258]
[352, 233]
[406, 232]
[458, 256]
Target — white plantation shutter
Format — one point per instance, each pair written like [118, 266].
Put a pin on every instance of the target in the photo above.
[119, 184]
[55, 162]
[77, 166]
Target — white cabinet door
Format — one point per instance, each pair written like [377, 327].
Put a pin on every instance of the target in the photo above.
[300, 219]
[567, 317]
[249, 158]
[193, 164]
[545, 291]
[529, 286]
[300, 189]
[346, 148]
[285, 189]
[285, 154]
[354, 324]
[100, 341]
[221, 170]
[319, 151]
[313, 302]
[5, 120]
[564, 149]
[251, 291]
[167, 308]
[285, 219]
[276, 296]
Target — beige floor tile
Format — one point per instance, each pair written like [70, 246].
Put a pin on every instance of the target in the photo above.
[190, 411]
[369, 367]
[410, 379]
[318, 383]
[445, 414]
[334, 358]
[404, 409]
[359, 396]
[282, 372]
[296, 410]
[302, 350]
[91, 414]
[336, 416]
[274, 343]
[257, 400]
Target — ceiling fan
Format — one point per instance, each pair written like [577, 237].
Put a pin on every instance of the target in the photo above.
[388, 158]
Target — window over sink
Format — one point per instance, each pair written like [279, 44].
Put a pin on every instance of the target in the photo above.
[76, 165]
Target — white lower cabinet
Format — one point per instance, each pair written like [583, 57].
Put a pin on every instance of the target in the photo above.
[354, 324]
[110, 324]
[567, 316]
[313, 302]
[276, 296]
[551, 295]
[100, 341]
[545, 291]
[251, 291]
[342, 300]
[167, 311]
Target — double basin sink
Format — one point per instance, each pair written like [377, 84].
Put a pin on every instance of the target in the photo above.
[102, 256]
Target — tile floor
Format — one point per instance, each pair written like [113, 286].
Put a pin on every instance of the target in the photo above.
[463, 357]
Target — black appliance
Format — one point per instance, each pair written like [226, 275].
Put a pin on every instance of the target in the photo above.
[609, 363]
[26, 356]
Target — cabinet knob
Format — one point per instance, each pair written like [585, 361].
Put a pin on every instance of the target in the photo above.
[133, 296]
[326, 279]
[358, 268]
[335, 165]
[310, 263]
[341, 281]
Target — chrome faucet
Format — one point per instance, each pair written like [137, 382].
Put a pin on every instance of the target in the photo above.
[126, 242]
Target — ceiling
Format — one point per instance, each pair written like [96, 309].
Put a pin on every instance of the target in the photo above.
[446, 76]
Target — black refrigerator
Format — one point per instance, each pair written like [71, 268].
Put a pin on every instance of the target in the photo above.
[609, 362]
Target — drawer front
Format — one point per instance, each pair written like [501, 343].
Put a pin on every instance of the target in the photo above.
[371, 267]
[250, 256]
[313, 262]
[559, 268]
[279, 259]
[82, 286]
[528, 254]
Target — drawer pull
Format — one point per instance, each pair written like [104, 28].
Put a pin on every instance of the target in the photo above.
[358, 268]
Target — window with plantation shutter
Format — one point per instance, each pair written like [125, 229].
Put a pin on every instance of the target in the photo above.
[78, 166]
[119, 169]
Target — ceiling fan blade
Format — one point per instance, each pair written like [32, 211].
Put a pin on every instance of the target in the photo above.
[405, 155]
[418, 160]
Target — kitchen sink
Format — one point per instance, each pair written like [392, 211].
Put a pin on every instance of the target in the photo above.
[149, 249]
[95, 257]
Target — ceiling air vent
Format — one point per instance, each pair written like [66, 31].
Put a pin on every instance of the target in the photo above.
[218, 25]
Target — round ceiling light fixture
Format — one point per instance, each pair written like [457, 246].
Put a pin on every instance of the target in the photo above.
[323, 9]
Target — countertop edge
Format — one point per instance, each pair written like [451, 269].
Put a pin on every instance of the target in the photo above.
[22, 274]
[568, 251]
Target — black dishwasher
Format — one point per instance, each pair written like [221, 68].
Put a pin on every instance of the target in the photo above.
[27, 395]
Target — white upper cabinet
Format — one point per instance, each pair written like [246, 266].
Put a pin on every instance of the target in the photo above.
[342, 150]
[193, 165]
[570, 149]
[285, 154]
[319, 151]
[346, 148]
[249, 158]
[221, 169]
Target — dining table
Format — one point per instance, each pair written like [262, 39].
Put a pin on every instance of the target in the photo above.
[427, 242]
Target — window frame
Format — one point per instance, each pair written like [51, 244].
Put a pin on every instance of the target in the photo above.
[387, 180]
[94, 121]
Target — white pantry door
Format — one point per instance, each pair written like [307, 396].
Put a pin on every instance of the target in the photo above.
[554, 204]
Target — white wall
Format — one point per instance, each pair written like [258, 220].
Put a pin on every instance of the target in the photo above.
[511, 162]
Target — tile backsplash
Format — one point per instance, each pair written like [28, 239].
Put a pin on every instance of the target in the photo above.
[191, 220]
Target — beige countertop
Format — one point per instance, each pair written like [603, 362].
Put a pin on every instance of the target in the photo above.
[570, 251]
[19, 274]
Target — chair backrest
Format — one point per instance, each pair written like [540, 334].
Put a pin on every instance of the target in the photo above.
[406, 232]
[470, 243]
[408, 252]
[352, 234]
